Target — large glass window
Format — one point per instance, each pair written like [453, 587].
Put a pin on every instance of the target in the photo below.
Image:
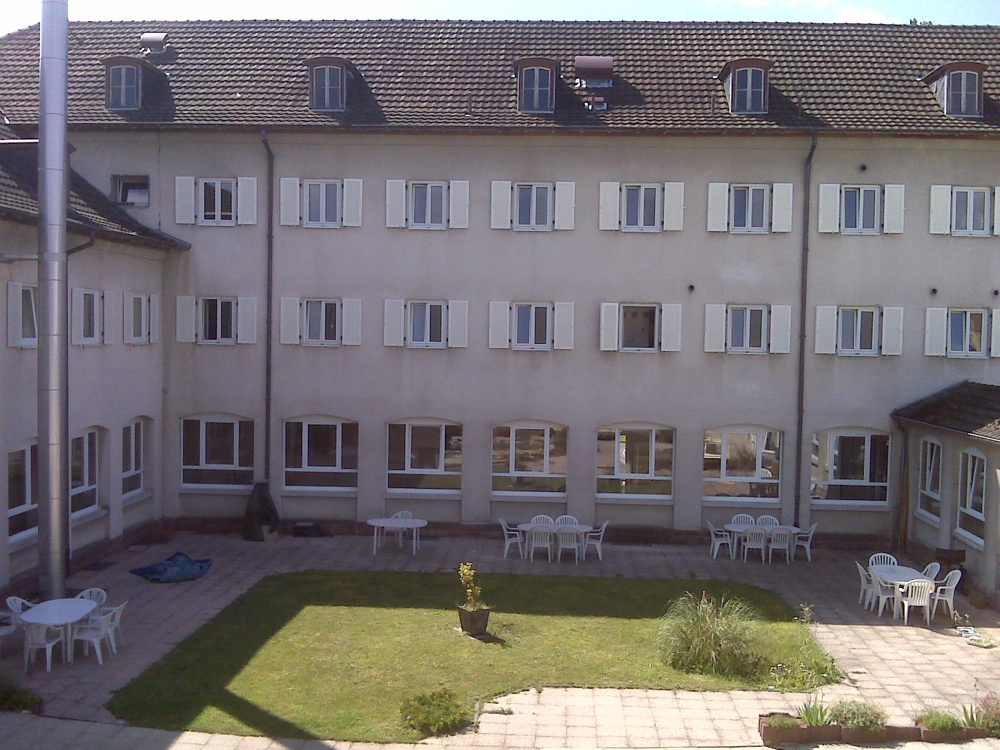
[639, 327]
[536, 93]
[533, 209]
[327, 88]
[850, 465]
[967, 333]
[123, 87]
[970, 212]
[858, 334]
[83, 472]
[529, 457]
[748, 90]
[963, 93]
[218, 320]
[323, 203]
[428, 324]
[641, 208]
[428, 205]
[749, 208]
[217, 451]
[321, 453]
[425, 456]
[635, 460]
[972, 494]
[747, 329]
[22, 491]
[532, 325]
[860, 209]
[742, 462]
[930, 478]
[218, 202]
[132, 480]
[322, 322]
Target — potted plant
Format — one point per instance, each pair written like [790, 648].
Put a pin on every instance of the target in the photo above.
[976, 721]
[962, 626]
[473, 613]
[940, 726]
[778, 729]
[818, 722]
[861, 723]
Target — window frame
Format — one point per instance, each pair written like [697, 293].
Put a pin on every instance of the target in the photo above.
[929, 479]
[217, 186]
[970, 193]
[442, 479]
[965, 352]
[430, 188]
[238, 465]
[322, 103]
[622, 316]
[533, 308]
[344, 471]
[29, 293]
[752, 190]
[963, 91]
[860, 311]
[323, 220]
[204, 337]
[748, 90]
[641, 189]
[128, 318]
[324, 306]
[29, 490]
[747, 327]
[529, 96]
[824, 468]
[87, 486]
[124, 184]
[763, 484]
[117, 90]
[91, 326]
[971, 486]
[533, 224]
[506, 482]
[411, 320]
[861, 190]
[628, 482]
[133, 445]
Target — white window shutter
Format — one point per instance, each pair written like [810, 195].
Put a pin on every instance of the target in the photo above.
[718, 207]
[353, 193]
[458, 204]
[936, 331]
[350, 317]
[781, 329]
[186, 320]
[111, 317]
[670, 328]
[288, 327]
[673, 206]
[995, 333]
[289, 196]
[76, 317]
[184, 200]
[826, 329]
[609, 204]
[395, 203]
[154, 319]
[715, 328]
[894, 213]
[781, 207]
[829, 208]
[14, 313]
[996, 210]
[246, 320]
[565, 208]
[246, 200]
[458, 323]
[940, 221]
[394, 324]
[128, 331]
[892, 331]
[499, 324]
[563, 325]
[500, 198]
[609, 326]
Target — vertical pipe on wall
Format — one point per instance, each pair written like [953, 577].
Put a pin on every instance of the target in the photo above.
[268, 304]
[53, 323]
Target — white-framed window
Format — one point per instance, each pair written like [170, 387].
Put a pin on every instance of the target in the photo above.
[972, 494]
[87, 326]
[22, 316]
[850, 465]
[746, 329]
[858, 331]
[136, 318]
[639, 327]
[533, 206]
[930, 478]
[321, 452]
[963, 93]
[970, 212]
[860, 209]
[635, 460]
[748, 91]
[22, 491]
[131, 190]
[132, 452]
[217, 451]
[749, 209]
[967, 333]
[327, 88]
[532, 325]
[529, 457]
[324, 203]
[742, 462]
[428, 205]
[425, 455]
[218, 320]
[642, 208]
[428, 324]
[123, 87]
[83, 471]
[218, 201]
[321, 323]
[536, 91]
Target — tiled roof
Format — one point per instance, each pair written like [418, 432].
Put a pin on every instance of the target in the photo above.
[89, 209]
[458, 74]
[970, 408]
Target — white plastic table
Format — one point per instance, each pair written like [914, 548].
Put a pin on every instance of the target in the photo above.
[897, 575]
[60, 613]
[382, 525]
[739, 529]
[581, 528]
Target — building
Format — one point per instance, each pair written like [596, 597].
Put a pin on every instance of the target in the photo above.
[654, 273]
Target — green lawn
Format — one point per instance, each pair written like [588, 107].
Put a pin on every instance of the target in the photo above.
[330, 655]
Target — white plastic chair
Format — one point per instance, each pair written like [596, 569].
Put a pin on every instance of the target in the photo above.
[540, 536]
[945, 592]
[595, 539]
[7, 626]
[116, 637]
[567, 537]
[768, 521]
[93, 633]
[867, 593]
[510, 538]
[38, 636]
[932, 570]
[542, 518]
[17, 607]
[782, 540]
[720, 537]
[805, 540]
[882, 558]
[916, 593]
[100, 596]
[755, 538]
[884, 593]
[567, 520]
[401, 533]
[743, 518]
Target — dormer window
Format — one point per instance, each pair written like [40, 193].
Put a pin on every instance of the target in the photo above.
[746, 84]
[328, 85]
[536, 92]
[958, 88]
[124, 87]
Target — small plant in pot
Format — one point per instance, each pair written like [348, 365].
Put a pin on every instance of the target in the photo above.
[473, 613]
[778, 729]
[818, 722]
[861, 723]
[940, 726]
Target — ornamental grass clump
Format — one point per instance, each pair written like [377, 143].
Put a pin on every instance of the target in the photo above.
[814, 714]
[858, 715]
[709, 636]
[438, 712]
[473, 592]
[939, 721]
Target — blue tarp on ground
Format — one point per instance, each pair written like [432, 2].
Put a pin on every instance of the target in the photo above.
[177, 567]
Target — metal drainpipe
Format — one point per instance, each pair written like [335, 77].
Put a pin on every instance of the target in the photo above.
[269, 297]
[800, 404]
[53, 341]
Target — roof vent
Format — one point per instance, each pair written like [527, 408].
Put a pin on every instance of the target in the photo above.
[153, 43]
[594, 71]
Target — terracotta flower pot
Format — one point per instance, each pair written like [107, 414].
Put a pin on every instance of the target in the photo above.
[473, 621]
[823, 733]
[942, 735]
[863, 736]
[976, 733]
[778, 736]
[903, 733]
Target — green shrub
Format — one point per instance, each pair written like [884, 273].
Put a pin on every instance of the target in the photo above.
[15, 698]
[988, 713]
[858, 715]
[782, 721]
[939, 721]
[435, 713]
[814, 713]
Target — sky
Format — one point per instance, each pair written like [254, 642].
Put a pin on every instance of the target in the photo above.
[20, 13]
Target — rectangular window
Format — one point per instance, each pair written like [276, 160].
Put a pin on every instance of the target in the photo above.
[533, 207]
[428, 205]
[29, 319]
[536, 90]
[218, 320]
[963, 93]
[858, 332]
[967, 333]
[22, 491]
[635, 461]
[529, 458]
[640, 325]
[322, 322]
[749, 208]
[532, 325]
[861, 209]
[218, 202]
[746, 330]
[323, 203]
[135, 318]
[641, 208]
[748, 90]
[425, 456]
[132, 458]
[930, 478]
[321, 454]
[742, 462]
[83, 472]
[972, 494]
[90, 317]
[131, 190]
[217, 451]
[428, 323]
[328, 88]
[970, 212]
[123, 87]
[850, 466]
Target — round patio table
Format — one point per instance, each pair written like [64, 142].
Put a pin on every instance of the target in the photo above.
[382, 525]
[60, 613]
[581, 529]
[739, 529]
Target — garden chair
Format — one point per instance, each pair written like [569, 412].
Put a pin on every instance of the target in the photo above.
[96, 595]
[932, 570]
[867, 594]
[510, 538]
[884, 593]
[595, 539]
[540, 535]
[768, 521]
[567, 520]
[567, 537]
[17, 607]
[882, 558]
[755, 538]
[542, 518]
[743, 518]
[116, 637]
[93, 633]
[916, 593]
[37, 636]
[945, 592]
[7, 626]
[720, 537]
[402, 533]
[782, 540]
[805, 540]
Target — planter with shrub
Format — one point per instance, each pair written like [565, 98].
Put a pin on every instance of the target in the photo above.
[819, 725]
[940, 726]
[861, 723]
[778, 729]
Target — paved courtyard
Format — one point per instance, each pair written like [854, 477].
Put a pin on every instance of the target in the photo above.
[904, 669]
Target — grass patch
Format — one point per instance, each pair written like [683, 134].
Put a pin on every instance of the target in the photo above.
[332, 655]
